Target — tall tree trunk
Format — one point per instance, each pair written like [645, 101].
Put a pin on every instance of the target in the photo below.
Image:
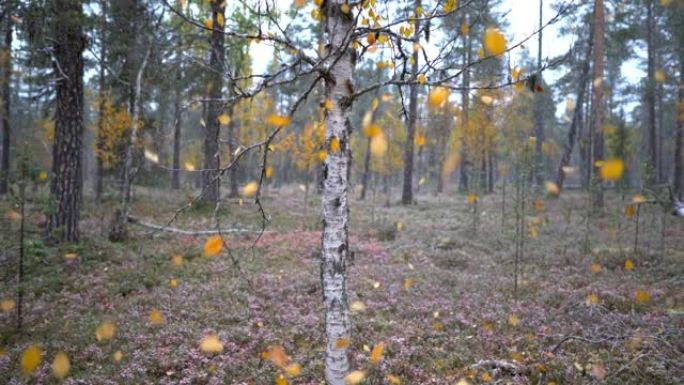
[650, 95]
[100, 140]
[67, 180]
[5, 95]
[577, 113]
[679, 139]
[177, 127]
[210, 176]
[597, 109]
[118, 231]
[335, 209]
[463, 184]
[539, 111]
[407, 191]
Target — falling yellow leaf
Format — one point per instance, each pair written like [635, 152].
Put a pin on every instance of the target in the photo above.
[276, 354]
[42, 176]
[177, 260]
[379, 145]
[400, 226]
[486, 377]
[7, 305]
[660, 76]
[293, 370]
[534, 233]
[224, 119]
[552, 188]
[465, 28]
[463, 381]
[334, 144]
[629, 265]
[13, 215]
[393, 380]
[211, 344]
[638, 199]
[472, 198]
[421, 79]
[408, 283]
[300, 3]
[208, 24]
[494, 41]
[629, 211]
[612, 169]
[151, 156]
[250, 189]
[117, 356]
[665, 3]
[538, 206]
[220, 19]
[438, 96]
[487, 100]
[31, 359]
[345, 8]
[189, 166]
[173, 283]
[281, 380]
[357, 306]
[355, 377]
[513, 320]
[370, 38]
[70, 256]
[278, 120]
[156, 317]
[422, 181]
[341, 343]
[595, 268]
[372, 130]
[420, 140]
[213, 246]
[269, 172]
[376, 353]
[61, 365]
[3, 352]
[438, 326]
[105, 331]
[642, 296]
[592, 299]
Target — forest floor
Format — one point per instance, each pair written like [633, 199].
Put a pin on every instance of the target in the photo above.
[438, 292]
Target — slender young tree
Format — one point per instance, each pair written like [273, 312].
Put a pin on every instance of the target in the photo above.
[407, 191]
[177, 119]
[67, 179]
[651, 94]
[539, 111]
[463, 185]
[597, 108]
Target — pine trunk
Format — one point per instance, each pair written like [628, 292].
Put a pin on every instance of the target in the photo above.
[5, 95]
[407, 192]
[210, 176]
[177, 130]
[67, 179]
[539, 112]
[463, 183]
[335, 209]
[679, 140]
[597, 110]
[650, 95]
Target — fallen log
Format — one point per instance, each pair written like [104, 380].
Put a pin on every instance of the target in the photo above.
[175, 230]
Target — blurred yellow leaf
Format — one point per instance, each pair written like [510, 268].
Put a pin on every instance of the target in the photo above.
[629, 211]
[638, 199]
[269, 172]
[592, 299]
[420, 140]
[224, 119]
[300, 3]
[61, 365]
[629, 265]
[595, 268]
[438, 96]
[281, 380]
[213, 246]
[105, 331]
[70, 256]
[31, 359]
[421, 79]
[341, 343]
[250, 189]
[660, 76]
[408, 283]
[357, 306]
[278, 120]
[209, 24]
[513, 320]
[494, 41]
[7, 305]
[293, 370]
[379, 145]
[276, 354]
[612, 169]
[472, 198]
[393, 380]
[117, 356]
[156, 317]
[177, 260]
[328, 104]
[211, 344]
[220, 19]
[173, 283]
[642, 296]
[355, 377]
[376, 353]
[334, 144]
[486, 377]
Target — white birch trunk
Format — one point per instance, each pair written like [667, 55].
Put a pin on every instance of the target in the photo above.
[335, 209]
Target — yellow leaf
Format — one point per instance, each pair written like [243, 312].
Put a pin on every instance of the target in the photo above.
[322, 155]
[117, 356]
[328, 104]
[595, 268]
[534, 233]
[438, 96]
[612, 169]
[419, 11]
[355, 377]
[300, 3]
[421, 79]
[105, 331]
[495, 41]
[31, 359]
[472, 198]
[408, 283]
[3, 352]
[463, 381]
[276, 354]
[629, 211]
[376, 353]
[250, 189]
[341, 343]
[209, 24]
[281, 380]
[372, 130]
[638, 199]
[61, 365]
[269, 172]
[438, 326]
[278, 120]
[370, 38]
[156, 317]
[375, 104]
[13, 215]
[42, 176]
[379, 145]
[592, 299]
[189, 166]
[420, 140]
[552, 188]
[213, 246]
[224, 119]
[517, 356]
[7, 305]
[211, 344]
[465, 28]
[293, 370]
[393, 380]
[219, 19]
[513, 320]
[345, 8]
[538, 206]
[334, 144]
[642, 296]
[357, 306]
[660, 76]
[629, 265]
[177, 260]
[70, 256]
[173, 283]
[486, 377]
